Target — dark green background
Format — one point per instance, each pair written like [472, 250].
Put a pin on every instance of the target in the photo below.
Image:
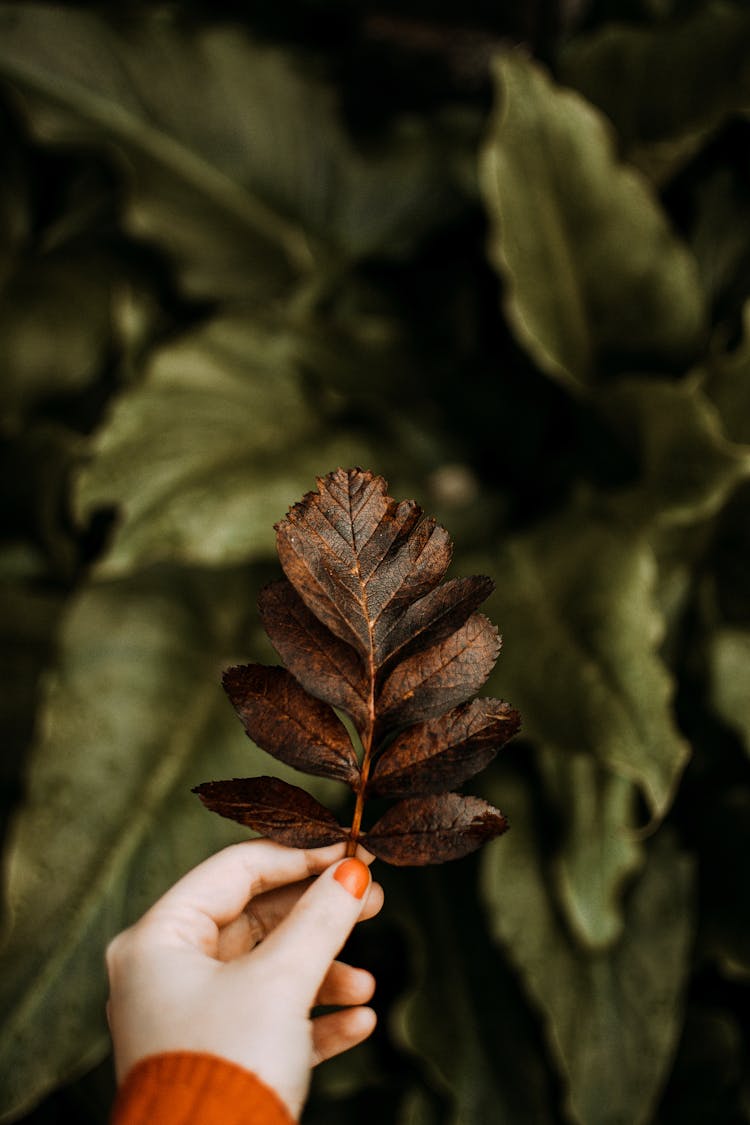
[500, 254]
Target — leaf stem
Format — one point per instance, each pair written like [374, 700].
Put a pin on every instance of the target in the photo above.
[367, 736]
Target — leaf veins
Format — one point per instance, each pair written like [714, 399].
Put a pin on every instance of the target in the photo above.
[366, 624]
[279, 715]
[423, 830]
[439, 754]
[271, 806]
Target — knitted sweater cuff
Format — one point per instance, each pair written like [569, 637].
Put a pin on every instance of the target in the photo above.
[184, 1087]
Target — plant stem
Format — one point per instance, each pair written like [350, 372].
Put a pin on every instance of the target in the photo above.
[367, 736]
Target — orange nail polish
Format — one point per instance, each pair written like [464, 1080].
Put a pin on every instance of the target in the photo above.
[354, 877]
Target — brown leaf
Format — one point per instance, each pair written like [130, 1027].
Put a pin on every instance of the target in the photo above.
[274, 808]
[282, 718]
[430, 682]
[365, 624]
[435, 616]
[423, 830]
[442, 753]
[358, 558]
[325, 666]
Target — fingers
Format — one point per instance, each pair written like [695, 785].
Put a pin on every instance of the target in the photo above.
[301, 948]
[346, 985]
[221, 886]
[265, 912]
[338, 1031]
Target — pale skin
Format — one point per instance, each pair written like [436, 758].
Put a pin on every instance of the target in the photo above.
[231, 960]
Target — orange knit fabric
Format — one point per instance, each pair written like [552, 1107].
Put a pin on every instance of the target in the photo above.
[188, 1088]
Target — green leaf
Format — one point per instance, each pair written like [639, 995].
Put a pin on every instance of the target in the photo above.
[599, 850]
[574, 602]
[593, 275]
[133, 719]
[15, 211]
[671, 82]
[55, 327]
[611, 1018]
[206, 453]
[28, 623]
[720, 239]
[728, 593]
[452, 1018]
[35, 470]
[239, 160]
[728, 386]
[688, 467]
[709, 1069]
[417, 1109]
[729, 679]
[724, 934]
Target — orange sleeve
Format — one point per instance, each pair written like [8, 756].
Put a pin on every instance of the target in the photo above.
[185, 1087]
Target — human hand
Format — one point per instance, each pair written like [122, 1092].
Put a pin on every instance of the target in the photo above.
[231, 960]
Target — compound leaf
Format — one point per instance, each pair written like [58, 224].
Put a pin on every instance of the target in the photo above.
[365, 625]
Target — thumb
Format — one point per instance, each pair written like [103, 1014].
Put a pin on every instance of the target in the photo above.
[312, 934]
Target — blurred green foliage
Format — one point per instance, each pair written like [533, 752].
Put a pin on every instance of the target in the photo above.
[499, 253]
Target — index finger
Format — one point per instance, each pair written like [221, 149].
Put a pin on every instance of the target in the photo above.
[222, 885]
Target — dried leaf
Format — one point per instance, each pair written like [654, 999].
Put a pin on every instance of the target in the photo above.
[282, 812]
[297, 729]
[435, 616]
[423, 830]
[325, 666]
[365, 624]
[358, 558]
[446, 674]
[442, 753]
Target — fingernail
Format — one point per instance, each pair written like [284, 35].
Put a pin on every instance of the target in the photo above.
[354, 877]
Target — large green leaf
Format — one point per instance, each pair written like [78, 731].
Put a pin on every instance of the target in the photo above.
[688, 466]
[452, 1016]
[720, 240]
[28, 622]
[592, 272]
[417, 1109]
[239, 158]
[575, 604]
[598, 849]
[35, 469]
[134, 717]
[47, 348]
[728, 385]
[668, 83]
[207, 452]
[15, 209]
[725, 901]
[729, 663]
[612, 1018]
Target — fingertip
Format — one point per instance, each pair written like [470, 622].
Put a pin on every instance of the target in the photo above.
[340, 1031]
[354, 876]
[366, 1020]
[366, 986]
[373, 902]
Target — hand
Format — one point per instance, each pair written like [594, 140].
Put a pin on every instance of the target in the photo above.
[231, 960]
